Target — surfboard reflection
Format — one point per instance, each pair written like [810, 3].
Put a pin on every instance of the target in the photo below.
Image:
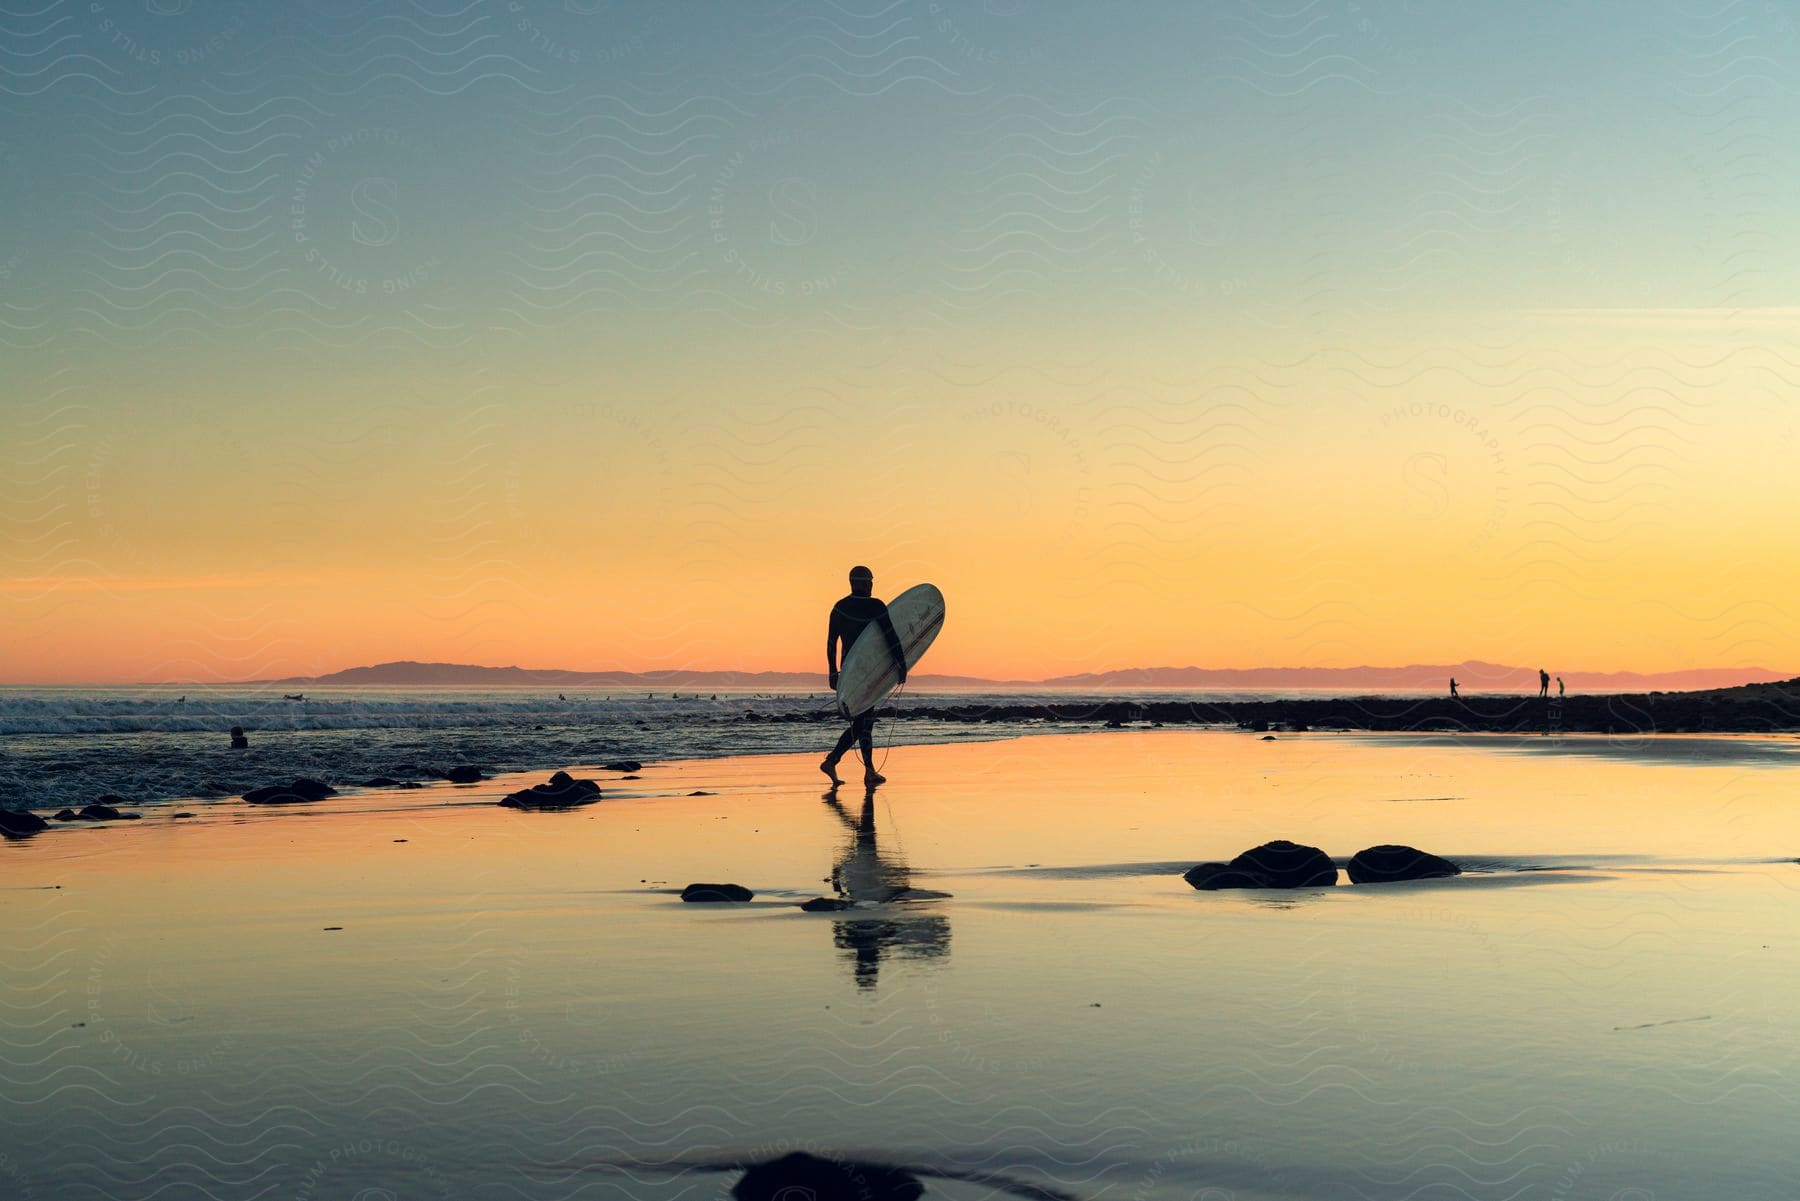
[866, 873]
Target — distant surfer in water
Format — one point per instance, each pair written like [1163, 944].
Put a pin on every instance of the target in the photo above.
[849, 617]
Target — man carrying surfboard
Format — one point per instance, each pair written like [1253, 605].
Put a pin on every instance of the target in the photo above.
[849, 617]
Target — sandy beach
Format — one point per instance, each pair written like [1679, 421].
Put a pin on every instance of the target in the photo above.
[432, 995]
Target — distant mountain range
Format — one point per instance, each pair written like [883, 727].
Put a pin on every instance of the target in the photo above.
[1473, 676]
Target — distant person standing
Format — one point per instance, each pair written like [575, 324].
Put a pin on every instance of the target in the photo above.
[1453, 692]
[1561, 691]
[1543, 682]
[849, 617]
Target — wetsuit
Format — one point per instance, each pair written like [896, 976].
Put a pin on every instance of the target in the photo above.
[849, 617]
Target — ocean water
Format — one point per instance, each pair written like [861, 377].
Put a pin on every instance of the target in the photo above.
[424, 995]
[68, 746]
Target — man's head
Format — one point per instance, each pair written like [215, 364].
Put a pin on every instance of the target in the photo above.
[862, 581]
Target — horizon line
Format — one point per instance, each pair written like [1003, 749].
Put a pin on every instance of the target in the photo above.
[1077, 676]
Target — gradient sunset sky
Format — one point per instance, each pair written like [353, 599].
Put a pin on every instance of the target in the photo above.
[570, 333]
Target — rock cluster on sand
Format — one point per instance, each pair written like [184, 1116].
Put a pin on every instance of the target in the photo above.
[623, 765]
[96, 812]
[562, 792]
[1278, 864]
[20, 824]
[825, 905]
[464, 774]
[797, 1175]
[716, 892]
[301, 791]
[1283, 864]
[1386, 864]
[1747, 709]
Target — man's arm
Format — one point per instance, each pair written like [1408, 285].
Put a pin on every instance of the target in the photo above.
[831, 643]
[893, 641]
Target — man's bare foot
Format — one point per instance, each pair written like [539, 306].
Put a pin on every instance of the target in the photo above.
[874, 777]
[830, 769]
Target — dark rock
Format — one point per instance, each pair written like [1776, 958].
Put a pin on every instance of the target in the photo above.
[464, 774]
[183, 813]
[301, 791]
[238, 741]
[1288, 864]
[1279, 864]
[701, 792]
[105, 812]
[799, 1175]
[716, 892]
[1209, 877]
[623, 765]
[66, 815]
[1268, 738]
[113, 798]
[381, 782]
[17, 823]
[1385, 864]
[825, 905]
[562, 792]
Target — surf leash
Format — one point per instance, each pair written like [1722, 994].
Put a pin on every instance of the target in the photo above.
[894, 708]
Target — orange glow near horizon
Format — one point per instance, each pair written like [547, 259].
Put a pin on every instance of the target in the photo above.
[1330, 513]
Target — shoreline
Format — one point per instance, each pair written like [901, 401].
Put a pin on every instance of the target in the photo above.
[429, 791]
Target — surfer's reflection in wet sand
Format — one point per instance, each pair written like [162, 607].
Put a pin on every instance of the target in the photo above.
[864, 874]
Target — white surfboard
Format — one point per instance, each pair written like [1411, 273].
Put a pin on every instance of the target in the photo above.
[868, 673]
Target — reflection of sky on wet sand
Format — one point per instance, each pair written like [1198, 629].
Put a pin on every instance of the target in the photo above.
[516, 1000]
[1681, 750]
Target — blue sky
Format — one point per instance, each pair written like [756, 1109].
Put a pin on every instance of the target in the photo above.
[1099, 161]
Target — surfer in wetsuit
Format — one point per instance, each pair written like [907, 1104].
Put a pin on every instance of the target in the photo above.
[849, 617]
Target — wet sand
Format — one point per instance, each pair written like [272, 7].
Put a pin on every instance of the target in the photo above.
[518, 1004]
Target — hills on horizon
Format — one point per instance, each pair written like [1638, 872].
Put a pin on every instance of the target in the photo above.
[1471, 676]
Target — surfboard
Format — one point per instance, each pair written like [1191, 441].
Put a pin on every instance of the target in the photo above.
[868, 673]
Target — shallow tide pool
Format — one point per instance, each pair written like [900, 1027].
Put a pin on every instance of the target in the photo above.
[517, 1005]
